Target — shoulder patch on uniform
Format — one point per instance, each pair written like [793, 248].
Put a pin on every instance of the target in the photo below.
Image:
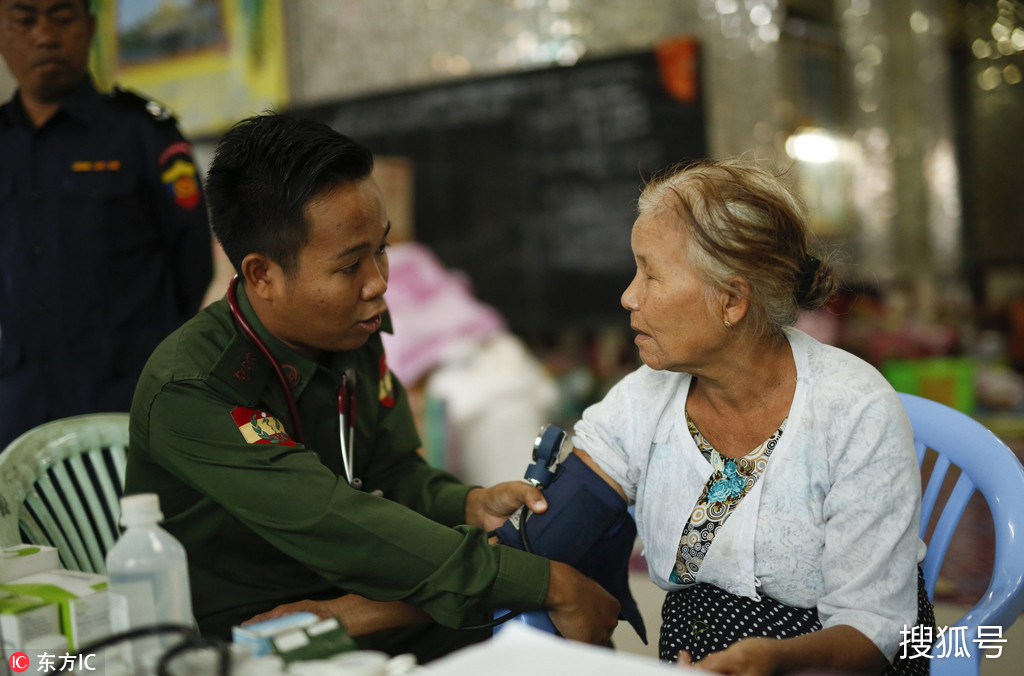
[180, 180]
[259, 427]
[386, 389]
[132, 99]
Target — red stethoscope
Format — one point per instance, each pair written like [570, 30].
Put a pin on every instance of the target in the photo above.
[346, 393]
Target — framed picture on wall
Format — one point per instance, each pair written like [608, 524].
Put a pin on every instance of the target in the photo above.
[149, 31]
[212, 62]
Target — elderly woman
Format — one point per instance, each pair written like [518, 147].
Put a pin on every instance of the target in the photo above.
[776, 486]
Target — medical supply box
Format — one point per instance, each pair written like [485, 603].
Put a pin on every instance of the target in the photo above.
[21, 560]
[80, 597]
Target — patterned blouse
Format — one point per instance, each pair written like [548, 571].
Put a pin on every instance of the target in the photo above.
[731, 480]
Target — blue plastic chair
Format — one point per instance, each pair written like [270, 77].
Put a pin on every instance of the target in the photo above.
[987, 465]
[60, 485]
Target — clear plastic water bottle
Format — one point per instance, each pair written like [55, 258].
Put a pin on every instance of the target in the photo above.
[148, 581]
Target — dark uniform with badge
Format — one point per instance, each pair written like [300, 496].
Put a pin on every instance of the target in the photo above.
[266, 520]
[104, 250]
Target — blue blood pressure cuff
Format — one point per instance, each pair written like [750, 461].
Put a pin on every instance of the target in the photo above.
[587, 526]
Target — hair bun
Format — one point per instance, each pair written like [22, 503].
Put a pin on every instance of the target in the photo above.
[805, 278]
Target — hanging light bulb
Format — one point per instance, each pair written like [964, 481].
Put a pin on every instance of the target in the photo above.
[812, 145]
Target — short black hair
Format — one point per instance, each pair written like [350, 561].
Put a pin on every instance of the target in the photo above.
[265, 171]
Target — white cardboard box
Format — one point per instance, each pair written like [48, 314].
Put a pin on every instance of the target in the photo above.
[81, 597]
[21, 560]
[258, 637]
[23, 619]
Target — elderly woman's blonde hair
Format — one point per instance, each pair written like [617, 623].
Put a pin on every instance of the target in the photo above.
[744, 221]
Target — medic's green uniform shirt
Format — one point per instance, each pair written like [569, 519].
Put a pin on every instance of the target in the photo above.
[267, 520]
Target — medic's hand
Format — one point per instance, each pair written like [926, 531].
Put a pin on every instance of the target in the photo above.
[580, 608]
[357, 614]
[488, 508]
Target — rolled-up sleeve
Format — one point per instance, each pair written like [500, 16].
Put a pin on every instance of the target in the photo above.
[617, 431]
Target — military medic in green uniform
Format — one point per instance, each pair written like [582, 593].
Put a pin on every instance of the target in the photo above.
[280, 505]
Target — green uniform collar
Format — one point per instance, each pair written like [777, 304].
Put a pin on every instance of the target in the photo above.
[243, 360]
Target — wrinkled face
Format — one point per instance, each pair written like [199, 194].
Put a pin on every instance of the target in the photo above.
[676, 327]
[46, 45]
[335, 298]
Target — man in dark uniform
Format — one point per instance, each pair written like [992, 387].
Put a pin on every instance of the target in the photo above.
[104, 240]
[236, 426]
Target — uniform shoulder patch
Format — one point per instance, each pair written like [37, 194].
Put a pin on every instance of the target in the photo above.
[133, 99]
[178, 174]
[259, 427]
[386, 387]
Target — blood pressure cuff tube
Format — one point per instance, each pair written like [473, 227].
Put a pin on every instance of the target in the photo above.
[586, 525]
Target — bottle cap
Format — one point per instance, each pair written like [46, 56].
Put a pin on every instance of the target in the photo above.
[141, 508]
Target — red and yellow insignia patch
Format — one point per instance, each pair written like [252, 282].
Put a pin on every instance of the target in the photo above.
[180, 180]
[386, 389]
[259, 427]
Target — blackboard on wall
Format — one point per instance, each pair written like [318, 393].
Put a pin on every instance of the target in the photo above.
[528, 181]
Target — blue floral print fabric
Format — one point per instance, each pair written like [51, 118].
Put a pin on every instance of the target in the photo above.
[731, 479]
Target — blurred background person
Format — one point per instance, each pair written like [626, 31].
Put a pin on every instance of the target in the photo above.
[104, 241]
[479, 395]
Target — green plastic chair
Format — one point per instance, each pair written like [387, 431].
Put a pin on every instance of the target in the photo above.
[60, 485]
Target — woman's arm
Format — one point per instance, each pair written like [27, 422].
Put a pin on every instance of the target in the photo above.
[841, 648]
[592, 464]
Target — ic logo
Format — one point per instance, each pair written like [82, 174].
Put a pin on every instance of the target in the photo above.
[19, 662]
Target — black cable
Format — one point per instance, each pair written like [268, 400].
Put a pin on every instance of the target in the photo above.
[493, 623]
[223, 654]
[192, 639]
[527, 547]
[163, 628]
